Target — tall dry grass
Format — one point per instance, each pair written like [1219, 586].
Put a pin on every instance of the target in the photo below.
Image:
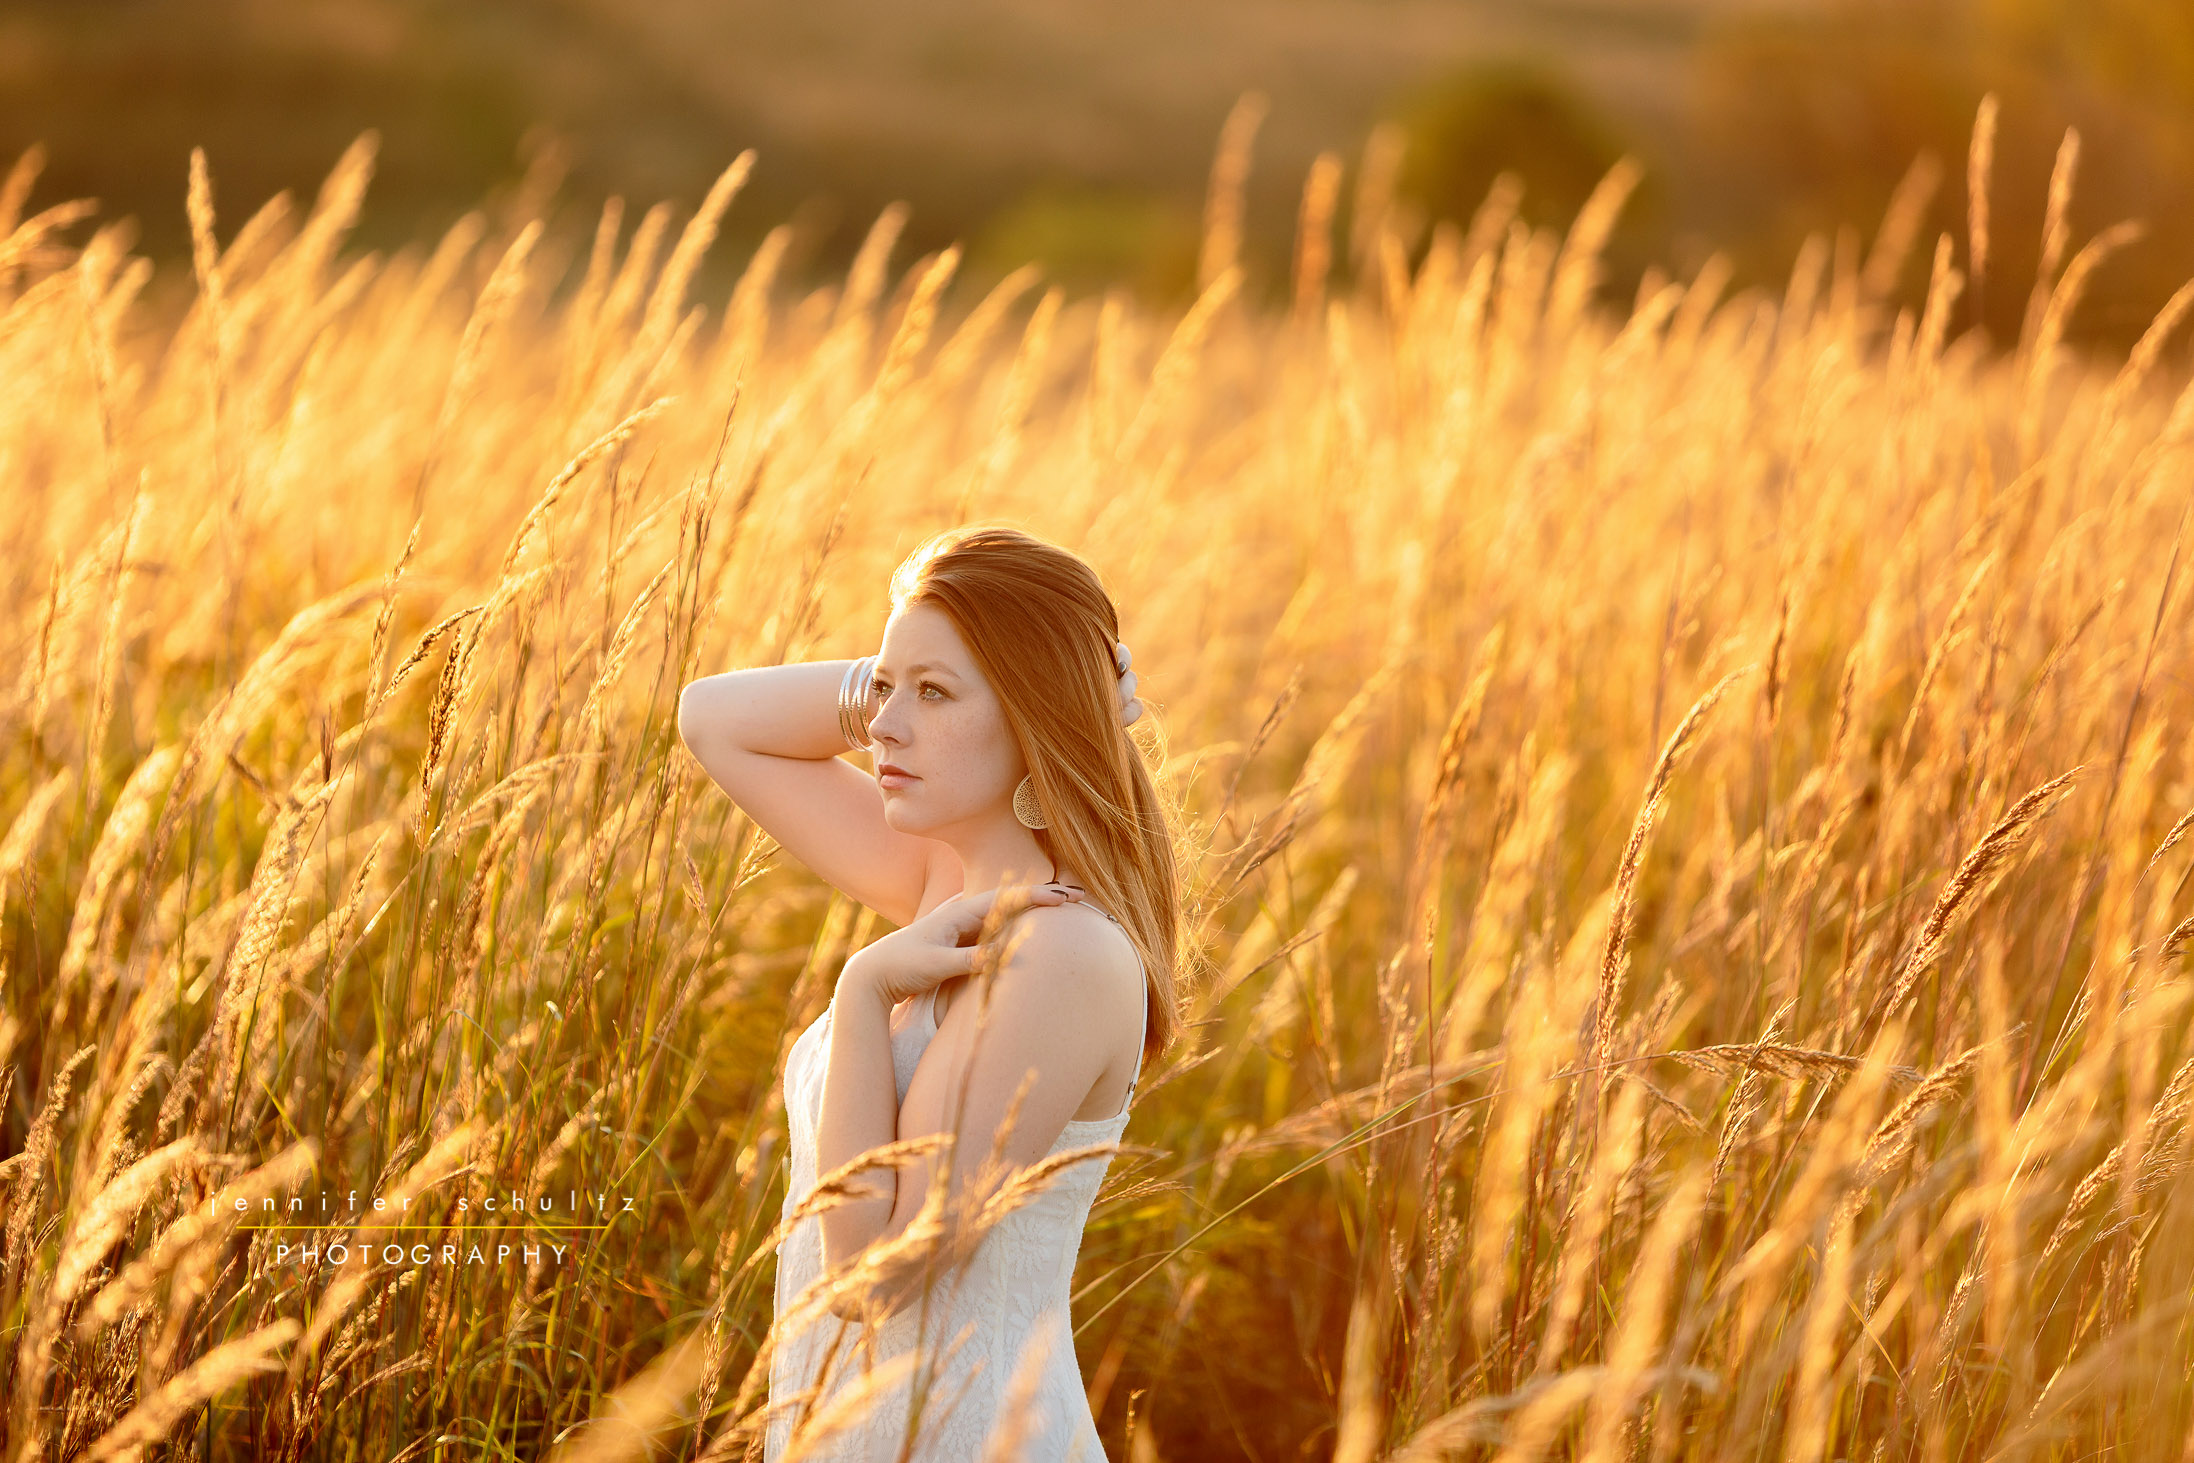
[1687, 801]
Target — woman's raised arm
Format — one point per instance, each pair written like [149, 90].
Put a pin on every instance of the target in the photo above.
[769, 737]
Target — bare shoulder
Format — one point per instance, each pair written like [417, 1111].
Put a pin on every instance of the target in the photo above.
[1065, 958]
[1079, 948]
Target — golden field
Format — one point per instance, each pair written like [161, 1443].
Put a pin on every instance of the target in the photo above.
[1685, 805]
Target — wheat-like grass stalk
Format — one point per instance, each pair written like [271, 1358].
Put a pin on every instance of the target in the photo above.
[16, 187]
[2056, 219]
[972, 346]
[2170, 1110]
[439, 1163]
[1776, 1059]
[194, 1230]
[125, 832]
[1639, 1334]
[148, 1423]
[1614, 954]
[1834, 1147]
[1980, 864]
[1363, 1360]
[1588, 1222]
[2056, 314]
[206, 259]
[1980, 168]
[84, 1245]
[2141, 362]
[669, 297]
[1314, 237]
[1577, 269]
[865, 279]
[238, 1011]
[1945, 640]
[1176, 363]
[30, 1180]
[1223, 203]
[1539, 1036]
[1818, 1350]
[626, 287]
[636, 1412]
[848, 1408]
[1019, 393]
[1900, 226]
[111, 1212]
[1892, 1139]
[25, 830]
[613, 438]
[908, 341]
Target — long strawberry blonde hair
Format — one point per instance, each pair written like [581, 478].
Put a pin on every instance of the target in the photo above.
[1041, 628]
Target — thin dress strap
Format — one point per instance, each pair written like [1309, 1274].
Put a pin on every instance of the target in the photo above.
[1139, 1040]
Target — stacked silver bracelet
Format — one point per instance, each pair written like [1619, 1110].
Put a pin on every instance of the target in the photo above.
[853, 698]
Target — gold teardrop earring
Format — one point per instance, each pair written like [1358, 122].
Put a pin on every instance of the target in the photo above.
[1025, 806]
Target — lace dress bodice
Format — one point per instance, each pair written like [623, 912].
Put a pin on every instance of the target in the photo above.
[1013, 1292]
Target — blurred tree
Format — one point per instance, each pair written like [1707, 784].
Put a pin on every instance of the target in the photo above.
[1089, 238]
[1473, 124]
[1516, 116]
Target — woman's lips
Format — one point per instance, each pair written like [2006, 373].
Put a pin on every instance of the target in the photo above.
[896, 779]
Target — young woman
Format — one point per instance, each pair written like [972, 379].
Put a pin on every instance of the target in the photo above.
[996, 715]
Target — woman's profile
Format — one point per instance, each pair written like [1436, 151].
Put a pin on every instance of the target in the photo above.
[1006, 787]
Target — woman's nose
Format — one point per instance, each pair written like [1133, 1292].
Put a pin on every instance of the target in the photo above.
[883, 723]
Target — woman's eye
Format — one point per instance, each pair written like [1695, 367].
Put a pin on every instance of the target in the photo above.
[881, 690]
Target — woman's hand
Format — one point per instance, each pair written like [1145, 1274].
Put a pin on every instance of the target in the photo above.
[1130, 708]
[938, 947]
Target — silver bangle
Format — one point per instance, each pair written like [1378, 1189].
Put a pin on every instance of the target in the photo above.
[853, 702]
[845, 696]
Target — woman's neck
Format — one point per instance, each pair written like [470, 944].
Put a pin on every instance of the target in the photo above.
[990, 865]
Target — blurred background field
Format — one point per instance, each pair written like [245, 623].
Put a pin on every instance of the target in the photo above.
[1683, 734]
[1081, 139]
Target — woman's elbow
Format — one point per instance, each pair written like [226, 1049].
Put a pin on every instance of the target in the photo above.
[700, 711]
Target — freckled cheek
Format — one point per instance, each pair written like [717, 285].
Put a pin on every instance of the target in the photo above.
[965, 747]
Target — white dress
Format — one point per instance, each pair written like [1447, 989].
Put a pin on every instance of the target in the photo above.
[1016, 1287]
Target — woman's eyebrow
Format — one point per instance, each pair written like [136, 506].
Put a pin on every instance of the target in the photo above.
[921, 666]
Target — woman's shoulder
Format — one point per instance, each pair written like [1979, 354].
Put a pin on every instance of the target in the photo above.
[1086, 938]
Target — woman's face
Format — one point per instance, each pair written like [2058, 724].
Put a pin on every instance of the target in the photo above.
[937, 718]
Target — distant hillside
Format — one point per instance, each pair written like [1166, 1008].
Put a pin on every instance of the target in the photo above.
[1081, 136]
[966, 108]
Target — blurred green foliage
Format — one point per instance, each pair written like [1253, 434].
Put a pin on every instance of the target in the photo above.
[1088, 238]
[1509, 116]
[1517, 116]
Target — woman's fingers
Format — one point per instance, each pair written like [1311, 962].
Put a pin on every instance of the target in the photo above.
[967, 911]
[1121, 655]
